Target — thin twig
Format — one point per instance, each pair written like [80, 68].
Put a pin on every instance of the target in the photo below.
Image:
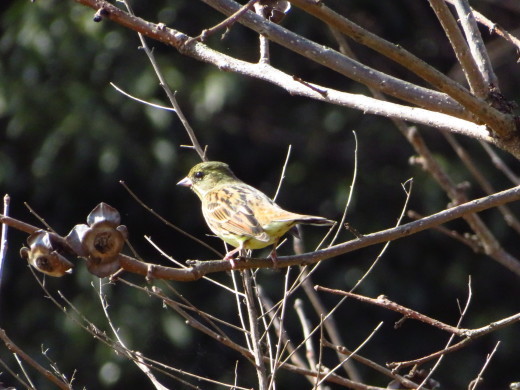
[282, 175]
[278, 353]
[24, 371]
[122, 92]
[239, 298]
[341, 223]
[264, 57]
[225, 24]
[384, 302]
[27, 385]
[168, 223]
[500, 164]
[367, 339]
[494, 27]
[221, 285]
[369, 363]
[39, 217]
[280, 331]
[478, 379]
[473, 244]
[452, 337]
[261, 373]
[171, 95]
[330, 324]
[310, 354]
[33, 363]
[3, 238]
[139, 363]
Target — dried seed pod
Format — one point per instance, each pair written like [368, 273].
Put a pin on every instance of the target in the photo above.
[42, 256]
[101, 241]
[104, 213]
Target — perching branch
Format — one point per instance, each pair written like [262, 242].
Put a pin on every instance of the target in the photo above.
[198, 269]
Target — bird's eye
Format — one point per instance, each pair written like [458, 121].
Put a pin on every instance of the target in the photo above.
[199, 175]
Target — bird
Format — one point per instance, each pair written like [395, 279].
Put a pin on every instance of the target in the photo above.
[239, 214]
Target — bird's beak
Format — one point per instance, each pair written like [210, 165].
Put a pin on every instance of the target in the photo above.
[186, 182]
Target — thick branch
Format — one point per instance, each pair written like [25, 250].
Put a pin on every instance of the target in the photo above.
[500, 122]
[342, 64]
[267, 73]
[318, 53]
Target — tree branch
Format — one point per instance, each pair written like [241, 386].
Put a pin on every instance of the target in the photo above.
[476, 45]
[461, 48]
[198, 268]
[498, 121]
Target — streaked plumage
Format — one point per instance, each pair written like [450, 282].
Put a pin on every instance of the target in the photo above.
[239, 214]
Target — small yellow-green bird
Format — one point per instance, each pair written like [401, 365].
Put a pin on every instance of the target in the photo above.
[239, 214]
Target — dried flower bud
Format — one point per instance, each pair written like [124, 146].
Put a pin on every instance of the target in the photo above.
[101, 241]
[42, 256]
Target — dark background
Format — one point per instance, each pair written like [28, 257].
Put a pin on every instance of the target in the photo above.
[67, 138]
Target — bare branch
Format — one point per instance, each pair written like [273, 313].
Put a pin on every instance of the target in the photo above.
[493, 27]
[490, 244]
[420, 96]
[201, 268]
[33, 363]
[476, 44]
[383, 301]
[464, 156]
[461, 48]
[477, 380]
[263, 382]
[501, 123]
[169, 93]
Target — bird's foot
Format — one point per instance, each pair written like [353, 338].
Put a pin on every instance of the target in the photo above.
[274, 257]
[232, 259]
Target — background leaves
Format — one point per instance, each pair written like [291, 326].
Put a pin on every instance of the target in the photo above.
[67, 138]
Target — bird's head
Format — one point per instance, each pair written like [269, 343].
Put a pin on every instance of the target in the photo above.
[205, 176]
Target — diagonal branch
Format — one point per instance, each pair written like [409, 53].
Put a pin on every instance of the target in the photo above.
[460, 47]
[476, 44]
[334, 60]
[501, 123]
[294, 86]
[200, 268]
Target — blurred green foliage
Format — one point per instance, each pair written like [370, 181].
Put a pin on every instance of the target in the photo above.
[67, 138]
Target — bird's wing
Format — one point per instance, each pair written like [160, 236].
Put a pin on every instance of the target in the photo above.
[227, 211]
